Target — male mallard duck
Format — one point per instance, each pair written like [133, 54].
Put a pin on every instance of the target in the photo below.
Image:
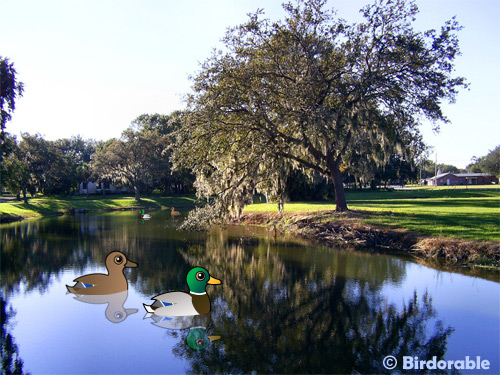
[182, 303]
[145, 216]
[99, 283]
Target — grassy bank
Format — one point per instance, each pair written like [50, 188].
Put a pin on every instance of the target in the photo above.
[472, 214]
[458, 226]
[47, 206]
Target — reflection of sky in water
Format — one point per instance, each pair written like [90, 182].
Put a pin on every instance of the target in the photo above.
[470, 305]
[57, 334]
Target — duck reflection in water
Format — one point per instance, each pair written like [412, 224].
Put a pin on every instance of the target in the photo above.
[197, 337]
[115, 311]
[101, 284]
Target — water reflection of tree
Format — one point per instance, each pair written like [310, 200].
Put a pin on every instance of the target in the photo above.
[280, 309]
[28, 257]
[275, 317]
[11, 361]
[33, 252]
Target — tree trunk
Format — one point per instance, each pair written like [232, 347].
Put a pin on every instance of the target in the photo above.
[25, 198]
[137, 192]
[340, 202]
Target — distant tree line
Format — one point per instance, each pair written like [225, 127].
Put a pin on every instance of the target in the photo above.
[140, 160]
[397, 171]
[489, 163]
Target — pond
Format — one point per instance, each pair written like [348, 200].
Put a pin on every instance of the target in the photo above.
[284, 306]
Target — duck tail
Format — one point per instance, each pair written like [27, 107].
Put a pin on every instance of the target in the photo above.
[148, 308]
[71, 289]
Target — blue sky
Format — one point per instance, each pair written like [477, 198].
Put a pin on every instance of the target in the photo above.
[91, 67]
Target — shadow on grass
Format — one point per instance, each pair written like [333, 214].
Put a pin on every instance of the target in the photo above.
[57, 205]
[362, 196]
[481, 226]
[431, 203]
[38, 208]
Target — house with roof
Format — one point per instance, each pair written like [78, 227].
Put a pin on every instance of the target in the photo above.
[97, 188]
[452, 179]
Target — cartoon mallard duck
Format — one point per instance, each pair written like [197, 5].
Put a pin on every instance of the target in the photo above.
[182, 303]
[99, 283]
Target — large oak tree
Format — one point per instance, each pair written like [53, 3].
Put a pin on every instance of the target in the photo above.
[314, 92]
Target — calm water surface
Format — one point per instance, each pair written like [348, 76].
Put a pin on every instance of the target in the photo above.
[285, 306]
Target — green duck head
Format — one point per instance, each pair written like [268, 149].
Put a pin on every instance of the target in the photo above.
[197, 338]
[198, 278]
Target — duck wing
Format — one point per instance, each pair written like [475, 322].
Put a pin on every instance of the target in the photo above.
[92, 279]
[98, 283]
[174, 304]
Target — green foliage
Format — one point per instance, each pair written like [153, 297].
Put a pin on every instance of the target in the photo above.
[428, 168]
[10, 90]
[123, 162]
[141, 158]
[487, 164]
[397, 171]
[164, 177]
[314, 93]
[49, 167]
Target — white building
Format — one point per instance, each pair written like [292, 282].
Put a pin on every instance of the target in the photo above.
[95, 188]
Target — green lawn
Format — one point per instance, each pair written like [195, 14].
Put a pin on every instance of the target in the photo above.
[54, 205]
[462, 213]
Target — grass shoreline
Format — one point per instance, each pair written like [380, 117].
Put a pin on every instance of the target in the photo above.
[470, 214]
[459, 226]
[53, 206]
[456, 226]
[350, 231]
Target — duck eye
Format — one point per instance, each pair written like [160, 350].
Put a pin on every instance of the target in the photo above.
[118, 259]
[200, 276]
[118, 315]
[200, 342]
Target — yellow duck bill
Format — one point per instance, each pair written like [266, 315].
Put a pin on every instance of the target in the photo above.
[214, 281]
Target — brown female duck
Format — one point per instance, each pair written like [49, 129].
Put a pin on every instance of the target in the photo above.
[99, 283]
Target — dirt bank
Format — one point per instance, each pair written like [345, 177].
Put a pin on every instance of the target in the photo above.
[8, 218]
[348, 230]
